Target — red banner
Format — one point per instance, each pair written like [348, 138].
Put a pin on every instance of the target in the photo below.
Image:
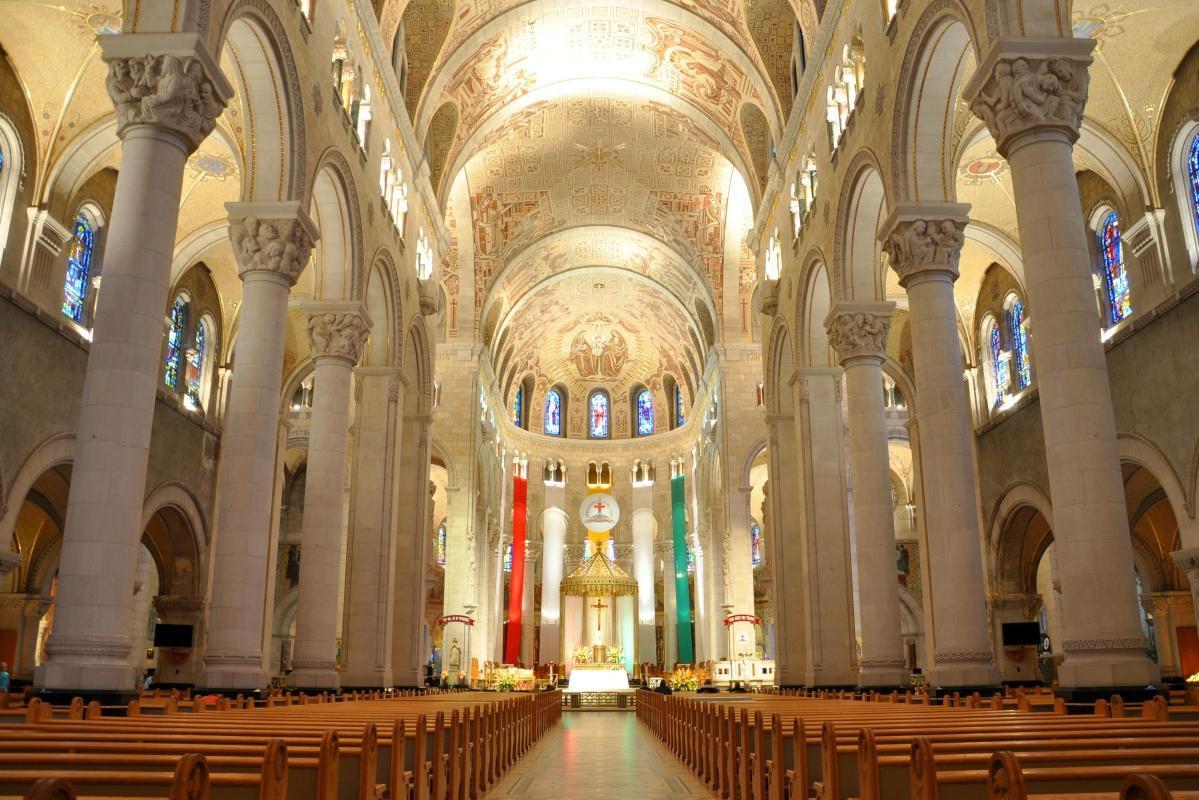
[750, 618]
[446, 620]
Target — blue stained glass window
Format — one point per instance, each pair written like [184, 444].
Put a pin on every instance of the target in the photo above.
[600, 417]
[553, 413]
[680, 418]
[175, 343]
[645, 413]
[998, 365]
[1193, 178]
[508, 558]
[690, 560]
[1019, 328]
[79, 266]
[1111, 248]
[755, 543]
[441, 543]
[195, 366]
[517, 406]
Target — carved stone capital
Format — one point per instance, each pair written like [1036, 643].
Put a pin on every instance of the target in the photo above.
[337, 332]
[1187, 560]
[859, 330]
[164, 80]
[8, 561]
[271, 237]
[925, 239]
[1031, 86]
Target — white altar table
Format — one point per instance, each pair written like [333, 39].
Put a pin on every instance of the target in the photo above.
[598, 678]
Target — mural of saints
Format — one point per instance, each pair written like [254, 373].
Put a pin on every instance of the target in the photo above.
[597, 354]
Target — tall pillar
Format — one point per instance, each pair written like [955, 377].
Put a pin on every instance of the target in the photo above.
[1031, 93]
[924, 244]
[858, 332]
[827, 583]
[516, 587]
[643, 561]
[529, 631]
[664, 553]
[159, 128]
[785, 546]
[370, 564]
[553, 540]
[682, 593]
[1187, 561]
[233, 659]
[336, 333]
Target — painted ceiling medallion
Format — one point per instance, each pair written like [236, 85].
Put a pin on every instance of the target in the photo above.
[1100, 22]
[986, 168]
[599, 157]
[212, 167]
[95, 19]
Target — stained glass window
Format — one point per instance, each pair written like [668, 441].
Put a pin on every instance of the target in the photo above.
[1114, 275]
[1019, 328]
[508, 558]
[517, 406]
[998, 364]
[599, 424]
[645, 413]
[690, 560]
[553, 413]
[441, 542]
[755, 543]
[1193, 177]
[680, 418]
[195, 366]
[175, 336]
[610, 550]
[79, 266]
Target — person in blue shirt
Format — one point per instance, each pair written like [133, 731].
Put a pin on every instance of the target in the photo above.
[3, 677]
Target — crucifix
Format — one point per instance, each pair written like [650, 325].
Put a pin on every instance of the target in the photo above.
[599, 606]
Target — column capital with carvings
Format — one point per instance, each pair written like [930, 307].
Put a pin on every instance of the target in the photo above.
[271, 237]
[164, 80]
[337, 330]
[924, 240]
[859, 330]
[1031, 86]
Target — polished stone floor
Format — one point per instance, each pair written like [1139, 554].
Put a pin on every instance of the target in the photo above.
[598, 755]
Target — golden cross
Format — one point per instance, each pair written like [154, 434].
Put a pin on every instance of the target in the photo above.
[599, 606]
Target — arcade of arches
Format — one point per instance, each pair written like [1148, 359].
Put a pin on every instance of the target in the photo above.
[324, 323]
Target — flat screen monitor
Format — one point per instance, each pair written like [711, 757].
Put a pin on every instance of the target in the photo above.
[178, 636]
[1021, 634]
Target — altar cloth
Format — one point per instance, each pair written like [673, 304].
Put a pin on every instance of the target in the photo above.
[598, 678]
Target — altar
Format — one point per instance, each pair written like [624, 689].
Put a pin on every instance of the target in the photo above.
[598, 678]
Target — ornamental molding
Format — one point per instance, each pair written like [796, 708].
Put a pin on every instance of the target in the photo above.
[1116, 643]
[89, 646]
[271, 237]
[859, 330]
[337, 333]
[324, 664]
[962, 657]
[164, 80]
[1031, 86]
[925, 239]
[251, 660]
[882, 663]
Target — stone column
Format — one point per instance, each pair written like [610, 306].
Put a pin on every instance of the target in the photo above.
[924, 244]
[272, 242]
[336, 333]
[553, 540]
[1031, 93]
[664, 551]
[858, 332]
[168, 92]
[370, 568]
[826, 577]
[785, 547]
[529, 630]
[643, 562]
[1187, 561]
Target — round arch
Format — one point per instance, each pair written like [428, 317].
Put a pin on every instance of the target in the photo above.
[858, 266]
[339, 260]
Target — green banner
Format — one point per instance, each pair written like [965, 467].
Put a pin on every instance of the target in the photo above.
[682, 591]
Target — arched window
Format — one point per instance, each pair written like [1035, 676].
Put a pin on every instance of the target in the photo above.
[508, 558]
[306, 9]
[690, 559]
[441, 543]
[644, 406]
[553, 413]
[10, 176]
[599, 415]
[1115, 276]
[176, 337]
[424, 256]
[79, 265]
[1018, 331]
[755, 543]
[197, 366]
[1193, 179]
[774, 258]
[518, 402]
[997, 360]
[679, 417]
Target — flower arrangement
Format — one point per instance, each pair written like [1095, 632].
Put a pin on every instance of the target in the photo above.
[615, 654]
[684, 680]
[580, 655]
[1194, 679]
[505, 680]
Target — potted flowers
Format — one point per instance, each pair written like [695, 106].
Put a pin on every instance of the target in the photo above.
[580, 655]
[615, 654]
[1193, 690]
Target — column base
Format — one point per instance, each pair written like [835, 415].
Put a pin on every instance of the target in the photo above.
[1087, 671]
[960, 677]
[56, 676]
[366, 680]
[894, 676]
[831, 679]
[314, 679]
[235, 675]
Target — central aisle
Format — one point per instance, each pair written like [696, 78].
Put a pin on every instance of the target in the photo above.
[598, 755]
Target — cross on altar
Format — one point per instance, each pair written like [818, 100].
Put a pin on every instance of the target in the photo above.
[599, 606]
